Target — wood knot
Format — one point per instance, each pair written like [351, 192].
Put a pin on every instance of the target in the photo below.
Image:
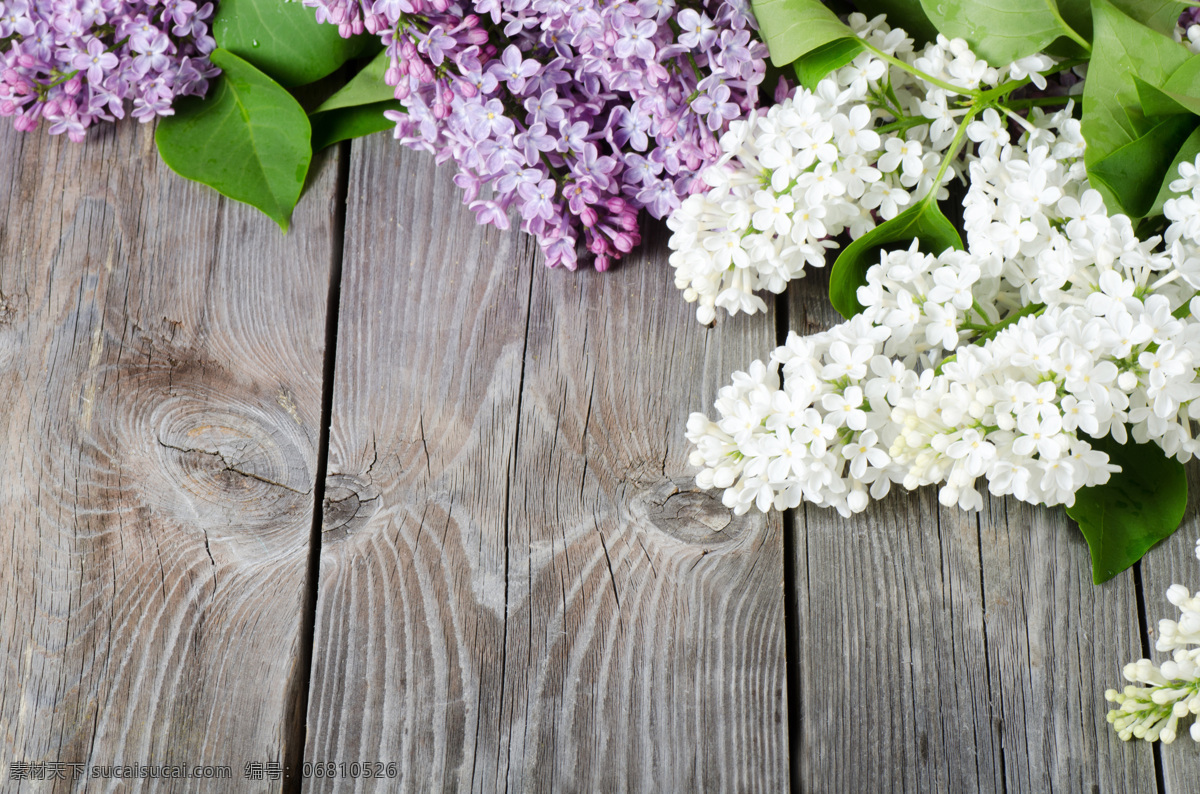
[681, 510]
[222, 455]
[349, 503]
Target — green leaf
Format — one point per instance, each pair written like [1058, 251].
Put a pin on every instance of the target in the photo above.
[1160, 15]
[345, 123]
[792, 28]
[248, 139]
[1186, 154]
[365, 88]
[284, 39]
[907, 14]
[1155, 101]
[1122, 49]
[1183, 85]
[999, 31]
[1135, 509]
[812, 67]
[1134, 173]
[923, 221]
[1077, 14]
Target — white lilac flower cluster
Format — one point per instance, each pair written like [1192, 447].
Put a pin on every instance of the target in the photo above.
[1056, 325]
[1159, 696]
[861, 147]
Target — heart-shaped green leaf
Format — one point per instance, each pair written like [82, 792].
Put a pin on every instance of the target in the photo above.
[1183, 86]
[792, 28]
[1160, 15]
[365, 88]
[1155, 101]
[812, 67]
[284, 39]
[1122, 49]
[1186, 154]
[923, 221]
[1134, 173]
[248, 139]
[1136, 508]
[999, 31]
[343, 124]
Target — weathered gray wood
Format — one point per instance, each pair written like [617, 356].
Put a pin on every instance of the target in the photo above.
[892, 654]
[953, 652]
[1055, 643]
[519, 588]
[1172, 561]
[160, 366]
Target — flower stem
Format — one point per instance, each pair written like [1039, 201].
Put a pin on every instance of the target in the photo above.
[989, 331]
[899, 64]
[951, 152]
[1067, 29]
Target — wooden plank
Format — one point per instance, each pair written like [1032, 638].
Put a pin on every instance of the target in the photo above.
[892, 658]
[1055, 642]
[661, 666]
[1172, 561]
[518, 587]
[986, 646]
[160, 375]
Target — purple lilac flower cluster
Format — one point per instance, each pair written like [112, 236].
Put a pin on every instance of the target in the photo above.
[578, 113]
[76, 62]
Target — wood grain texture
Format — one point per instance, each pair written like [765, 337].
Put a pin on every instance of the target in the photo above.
[520, 589]
[892, 655]
[1173, 560]
[160, 361]
[1054, 643]
[973, 650]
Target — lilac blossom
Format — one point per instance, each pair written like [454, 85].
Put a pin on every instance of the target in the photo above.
[571, 115]
[77, 62]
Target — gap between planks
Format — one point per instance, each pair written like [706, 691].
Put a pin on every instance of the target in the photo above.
[297, 731]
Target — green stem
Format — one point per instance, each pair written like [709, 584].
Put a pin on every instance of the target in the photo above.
[951, 153]
[991, 330]
[899, 64]
[883, 103]
[1070, 31]
[892, 93]
[901, 125]
[554, 172]
[979, 310]
[43, 89]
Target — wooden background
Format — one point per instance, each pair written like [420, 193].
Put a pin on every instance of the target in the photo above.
[387, 489]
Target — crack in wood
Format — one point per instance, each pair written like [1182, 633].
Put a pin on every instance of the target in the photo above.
[227, 466]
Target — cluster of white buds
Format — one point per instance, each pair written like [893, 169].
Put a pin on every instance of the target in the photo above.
[1056, 326]
[1159, 696]
[865, 144]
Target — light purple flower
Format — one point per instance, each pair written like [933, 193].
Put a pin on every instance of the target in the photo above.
[97, 60]
[637, 39]
[513, 69]
[539, 199]
[525, 96]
